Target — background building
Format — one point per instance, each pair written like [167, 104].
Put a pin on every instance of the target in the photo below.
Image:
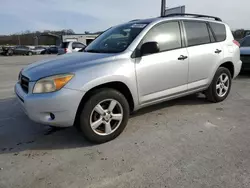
[83, 38]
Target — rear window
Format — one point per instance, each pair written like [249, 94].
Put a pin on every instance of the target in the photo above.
[219, 31]
[64, 45]
[197, 33]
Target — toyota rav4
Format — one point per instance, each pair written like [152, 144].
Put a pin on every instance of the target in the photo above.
[128, 67]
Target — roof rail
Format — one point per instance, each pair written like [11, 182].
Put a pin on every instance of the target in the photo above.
[193, 15]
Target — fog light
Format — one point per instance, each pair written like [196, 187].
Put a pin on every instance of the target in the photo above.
[52, 116]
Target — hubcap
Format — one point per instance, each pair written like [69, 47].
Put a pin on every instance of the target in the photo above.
[106, 117]
[222, 85]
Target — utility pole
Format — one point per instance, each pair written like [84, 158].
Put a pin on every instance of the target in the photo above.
[19, 41]
[163, 7]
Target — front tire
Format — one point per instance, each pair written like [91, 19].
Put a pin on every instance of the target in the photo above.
[220, 86]
[104, 116]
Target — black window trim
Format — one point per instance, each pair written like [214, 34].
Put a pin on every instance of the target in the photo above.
[212, 32]
[135, 53]
[185, 33]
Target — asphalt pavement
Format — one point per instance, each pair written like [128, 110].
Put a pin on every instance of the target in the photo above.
[184, 143]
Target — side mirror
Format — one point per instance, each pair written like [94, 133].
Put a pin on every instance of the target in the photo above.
[149, 48]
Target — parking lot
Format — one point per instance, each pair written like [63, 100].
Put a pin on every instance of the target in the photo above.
[187, 142]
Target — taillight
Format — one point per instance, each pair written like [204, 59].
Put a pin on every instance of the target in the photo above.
[65, 50]
[236, 42]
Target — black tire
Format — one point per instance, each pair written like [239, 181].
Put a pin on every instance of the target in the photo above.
[211, 92]
[85, 115]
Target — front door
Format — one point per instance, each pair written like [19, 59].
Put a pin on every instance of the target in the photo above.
[165, 73]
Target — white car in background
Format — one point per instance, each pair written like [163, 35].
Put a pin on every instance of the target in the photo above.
[69, 47]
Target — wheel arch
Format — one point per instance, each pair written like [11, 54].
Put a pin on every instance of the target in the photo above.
[117, 85]
[230, 66]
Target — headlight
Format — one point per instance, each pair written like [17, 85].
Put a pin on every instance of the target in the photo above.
[52, 83]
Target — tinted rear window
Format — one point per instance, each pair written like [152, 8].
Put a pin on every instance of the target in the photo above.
[64, 45]
[219, 31]
[197, 33]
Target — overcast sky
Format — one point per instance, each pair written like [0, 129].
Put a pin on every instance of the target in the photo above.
[96, 15]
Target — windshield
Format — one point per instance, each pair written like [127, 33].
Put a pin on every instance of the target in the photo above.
[246, 42]
[116, 39]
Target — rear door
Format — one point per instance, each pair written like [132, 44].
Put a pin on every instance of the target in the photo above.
[204, 53]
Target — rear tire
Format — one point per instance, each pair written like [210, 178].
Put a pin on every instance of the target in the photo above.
[104, 116]
[220, 86]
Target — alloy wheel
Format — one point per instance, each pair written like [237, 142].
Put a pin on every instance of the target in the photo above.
[106, 117]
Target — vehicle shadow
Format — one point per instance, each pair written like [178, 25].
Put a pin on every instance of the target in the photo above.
[18, 133]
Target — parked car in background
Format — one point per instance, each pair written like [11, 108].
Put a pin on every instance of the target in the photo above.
[38, 50]
[22, 50]
[50, 50]
[128, 67]
[7, 50]
[69, 47]
[245, 53]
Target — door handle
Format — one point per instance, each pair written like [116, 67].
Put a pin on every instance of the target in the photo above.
[218, 51]
[182, 57]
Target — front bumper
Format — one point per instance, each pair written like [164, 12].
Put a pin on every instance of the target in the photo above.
[63, 104]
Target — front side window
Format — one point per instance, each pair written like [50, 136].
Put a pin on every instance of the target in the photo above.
[116, 39]
[197, 33]
[167, 35]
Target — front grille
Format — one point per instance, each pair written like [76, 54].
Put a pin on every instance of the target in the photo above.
[24, 82]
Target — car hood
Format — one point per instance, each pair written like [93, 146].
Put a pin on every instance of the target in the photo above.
[245, 50]
[68, 63]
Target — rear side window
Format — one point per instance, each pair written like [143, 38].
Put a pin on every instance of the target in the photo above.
[167, 35]
[219, 31]
[197, 33]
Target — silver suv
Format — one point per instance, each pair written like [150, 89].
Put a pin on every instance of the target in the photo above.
[128, 67]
